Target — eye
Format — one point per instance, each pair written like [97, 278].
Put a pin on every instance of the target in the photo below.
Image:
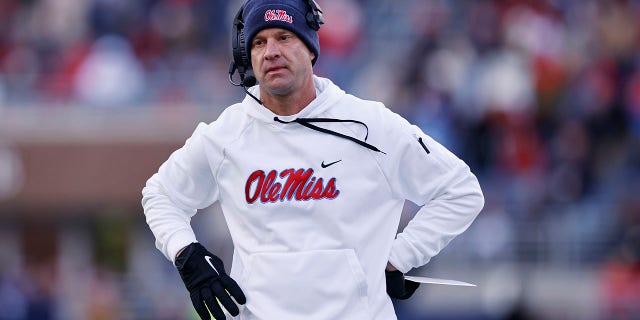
[258, 43]
[286, 36]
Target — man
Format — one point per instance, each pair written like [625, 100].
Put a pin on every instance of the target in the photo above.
[311, 182]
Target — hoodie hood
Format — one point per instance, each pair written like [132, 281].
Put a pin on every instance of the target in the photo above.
[327, 94]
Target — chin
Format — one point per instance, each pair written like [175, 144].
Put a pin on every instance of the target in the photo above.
[278, 87]
[280, 91]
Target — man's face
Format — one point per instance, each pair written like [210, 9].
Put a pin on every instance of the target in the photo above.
[281, 61]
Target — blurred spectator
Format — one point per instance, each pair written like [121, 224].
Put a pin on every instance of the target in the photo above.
[110, 75]
[340, 39]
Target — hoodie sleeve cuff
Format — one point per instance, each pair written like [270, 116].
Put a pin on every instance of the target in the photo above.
[178, 240]
[401, 255]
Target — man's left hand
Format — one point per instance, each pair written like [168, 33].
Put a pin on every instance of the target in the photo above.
[398, 287]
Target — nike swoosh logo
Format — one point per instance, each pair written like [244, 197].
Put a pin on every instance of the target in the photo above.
[329, 164]
[208, 259]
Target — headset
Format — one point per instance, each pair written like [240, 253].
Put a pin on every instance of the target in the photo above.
[241, 61]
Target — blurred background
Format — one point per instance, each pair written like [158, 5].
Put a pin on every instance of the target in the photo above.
[540, 97]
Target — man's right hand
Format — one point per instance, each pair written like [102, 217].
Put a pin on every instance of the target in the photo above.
[204, 276]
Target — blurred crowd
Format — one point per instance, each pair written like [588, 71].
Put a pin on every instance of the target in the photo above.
[540, 97]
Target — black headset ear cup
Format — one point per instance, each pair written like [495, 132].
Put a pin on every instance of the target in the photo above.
[244, 54]
[240, 56]
[314, 16]
[312, 21]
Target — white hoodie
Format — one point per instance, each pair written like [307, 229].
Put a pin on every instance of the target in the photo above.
[313, 216]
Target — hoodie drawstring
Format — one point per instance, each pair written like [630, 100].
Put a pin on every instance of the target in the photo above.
[307, 123]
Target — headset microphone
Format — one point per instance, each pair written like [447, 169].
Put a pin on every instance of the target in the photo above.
[249, 81]
[245, 80]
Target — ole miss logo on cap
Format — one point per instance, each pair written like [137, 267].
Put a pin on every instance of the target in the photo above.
[281, 15]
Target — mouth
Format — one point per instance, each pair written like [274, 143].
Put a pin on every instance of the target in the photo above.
[274, 69]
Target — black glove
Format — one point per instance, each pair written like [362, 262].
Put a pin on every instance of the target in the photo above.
[398, 287]
[204, 276]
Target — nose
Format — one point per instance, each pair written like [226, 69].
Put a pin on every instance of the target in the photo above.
[272, 49]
